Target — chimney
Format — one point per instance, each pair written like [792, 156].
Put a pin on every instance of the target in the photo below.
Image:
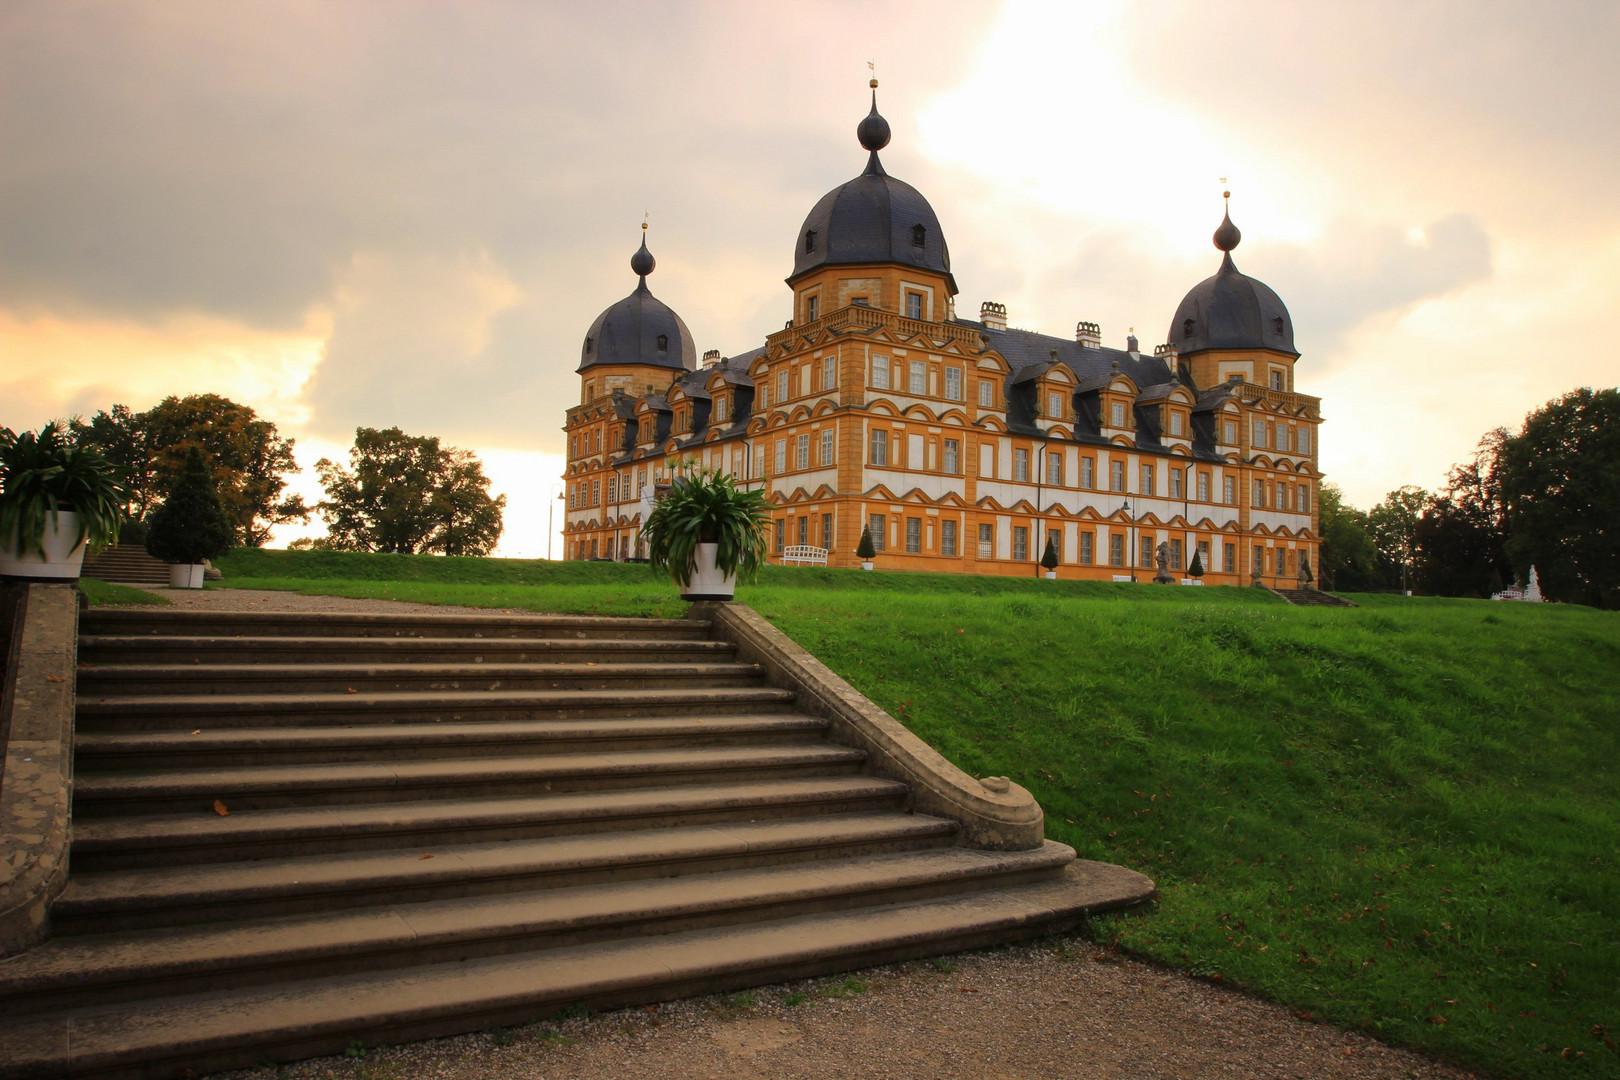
[1131, 345]
[993, 315]
[1088, 334]
[1168, 351]
[711, 358]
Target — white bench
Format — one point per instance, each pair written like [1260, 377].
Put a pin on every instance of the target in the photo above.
[1125, 578]
[804, 555]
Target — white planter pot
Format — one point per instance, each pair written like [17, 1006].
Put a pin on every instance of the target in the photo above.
[63, 556]
[707, 582]
[866, 566]
[1050, 575]
[185, 575]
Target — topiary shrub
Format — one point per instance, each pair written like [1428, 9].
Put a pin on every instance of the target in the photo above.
[191, 525]
[864, 550]
[1195, 569]
[1049, 558]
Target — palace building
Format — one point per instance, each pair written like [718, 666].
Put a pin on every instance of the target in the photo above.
[964, 444]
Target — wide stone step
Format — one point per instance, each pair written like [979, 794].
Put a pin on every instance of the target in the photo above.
[112, 680]
[371, 624]
[174, 839]
[96, 969]
[169, 711]
[197, 748]
[265, 787]
[236, 1028]
[137, 649]
[220, 892]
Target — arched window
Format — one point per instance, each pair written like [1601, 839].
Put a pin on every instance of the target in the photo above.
[1277, 323]
[663, 342]
[809, 241]
[588, 343]
[919, 236]
[1187, 328]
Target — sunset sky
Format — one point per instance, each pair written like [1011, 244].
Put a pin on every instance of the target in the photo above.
[408, 214]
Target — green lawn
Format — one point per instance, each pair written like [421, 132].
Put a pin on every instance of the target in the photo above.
[1402, 818]
[104, 594]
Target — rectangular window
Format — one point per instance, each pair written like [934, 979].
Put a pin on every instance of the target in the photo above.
[1088, 548]
[1229, 490]
[953, 383]
[1259, 493]
[1203, 555]
[914, 305]
[880, 448]
[1176, 476]
[720, 411]
[947, 538]
[918, 384]
[804, 531]
[1116, 550]
[802, 457]
[953, 454]
[1175, 554]
[1257, 565]
[782, 386]
[1276, 379]
[1175, 423]
[759, 461]
[781, 534]
[1020, 543]
[987, 541]
[762, 399]
[1304, 440]
[1203, 487]
[1054, 405]
[1088, 472]
[1260, 433]
[1284, 437]
[596, 492]
[1146, 554]
[1304, 504]
[1229, 558]
[739, 460]
[1147, 480]
[913, 535]
[1229, 432]
[812, 308]
[879, 525]
[1054, 469]
[829, 372]
[1282, 495]
[1116, 476]
[1021, 465]
[613, 490]
[781, 456]
[1116, 414]
[827, 447]
[987, 394]
[826, 531]
[880, 372]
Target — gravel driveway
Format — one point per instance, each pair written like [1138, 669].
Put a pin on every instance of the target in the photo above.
[1059, 1008]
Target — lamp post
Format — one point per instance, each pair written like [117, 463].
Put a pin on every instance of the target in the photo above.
[551, 518]
[1130, 553]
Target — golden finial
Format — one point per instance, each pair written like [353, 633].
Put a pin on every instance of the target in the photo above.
[645, 214]
[1225, 194]
[872, 67]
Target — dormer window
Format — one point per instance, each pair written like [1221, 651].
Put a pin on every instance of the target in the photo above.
[589, 342]
[919, 236]
[809, 241]
[1277, 323]
[1175, 423]
[1116, 414]
[1187, 328]
[663, 342]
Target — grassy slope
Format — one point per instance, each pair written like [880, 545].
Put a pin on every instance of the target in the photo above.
[1401, 818]
[104, 594]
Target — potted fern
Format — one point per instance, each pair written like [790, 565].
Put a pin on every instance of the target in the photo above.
[866, 551]
[707, 533]
[56, 499]
[190, 526]
[1049, 558]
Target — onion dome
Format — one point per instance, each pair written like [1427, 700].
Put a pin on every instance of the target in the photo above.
[640, 329]
[1231, 310]
[873, 218]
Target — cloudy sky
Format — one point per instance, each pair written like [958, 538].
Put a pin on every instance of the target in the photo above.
[408, 214]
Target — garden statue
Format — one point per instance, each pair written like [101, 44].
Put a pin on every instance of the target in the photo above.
[1161, 559]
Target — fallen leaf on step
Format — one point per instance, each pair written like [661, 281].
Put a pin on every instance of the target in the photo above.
[419, 858]
[197, 732]
[54, 678]
[352, 690]
[219, 808]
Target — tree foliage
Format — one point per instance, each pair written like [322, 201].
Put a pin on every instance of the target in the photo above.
[407, 494]
[1349, 558]
[191, 524]
[247, 456]
[1392, 524]
[1460, 538]
[1559, 481]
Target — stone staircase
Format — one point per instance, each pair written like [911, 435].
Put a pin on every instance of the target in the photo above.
[127, 564]
[291, 832]
[1312, 598]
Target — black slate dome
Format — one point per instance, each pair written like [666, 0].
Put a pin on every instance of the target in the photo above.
[640, 329]
[1231, 310]
[873, 218]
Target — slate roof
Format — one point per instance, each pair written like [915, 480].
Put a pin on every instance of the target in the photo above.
[628, 331]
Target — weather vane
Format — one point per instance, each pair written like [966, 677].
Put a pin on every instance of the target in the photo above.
[645, 214]
[1225, 194]
[871, 65]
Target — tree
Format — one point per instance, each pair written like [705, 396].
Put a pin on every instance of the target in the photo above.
[1195, 569]
[1460, 535]
[192, 524]
[1050, 557]
[865, 550]
[1393, 527]
[1561, 500]
[406, 494]
[246, 454]
[1349, 558]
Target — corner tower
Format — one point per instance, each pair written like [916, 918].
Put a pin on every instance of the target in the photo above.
[638, 345]
[1232, 324]
[873, 241]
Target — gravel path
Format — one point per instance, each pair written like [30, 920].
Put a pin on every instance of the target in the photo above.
[1059, 1008]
